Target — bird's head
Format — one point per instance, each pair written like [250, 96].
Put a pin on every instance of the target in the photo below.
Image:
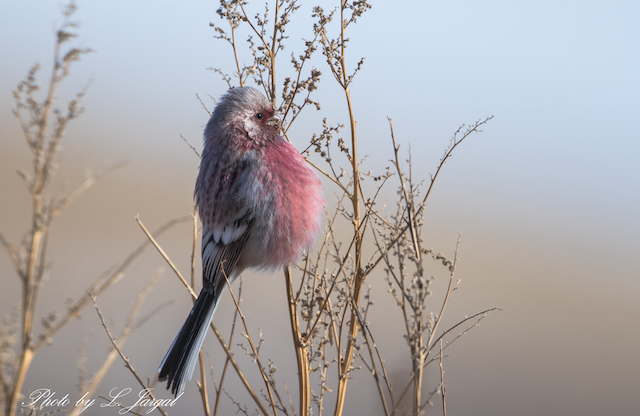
[245, 109]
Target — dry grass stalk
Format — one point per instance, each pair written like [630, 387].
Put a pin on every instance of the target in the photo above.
[43, 126]
[132, 322]
[254, 354]
[124, 358]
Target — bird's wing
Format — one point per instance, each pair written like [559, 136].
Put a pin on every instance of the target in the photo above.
[221, 248]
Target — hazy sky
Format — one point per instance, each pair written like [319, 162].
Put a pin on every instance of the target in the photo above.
[546, 197]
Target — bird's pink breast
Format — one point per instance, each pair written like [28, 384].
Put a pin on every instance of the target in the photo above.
[296, 201]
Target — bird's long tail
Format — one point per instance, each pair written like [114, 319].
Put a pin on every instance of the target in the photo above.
[179, 362]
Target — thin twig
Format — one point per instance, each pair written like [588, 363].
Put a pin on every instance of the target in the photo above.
[299, 347]
[164, 256]
[270, 388]
[472, 129]
[236, 367]
[444, 388]
[446, 297]
[227, 360]
[125, 359]
[189, 144]
[408, 201]
[203, 106]
[100, 285]
[129, 326]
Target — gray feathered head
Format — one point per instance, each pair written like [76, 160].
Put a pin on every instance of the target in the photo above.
[243, 108]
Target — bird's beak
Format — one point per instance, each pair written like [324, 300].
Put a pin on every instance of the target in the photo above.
[276, 122]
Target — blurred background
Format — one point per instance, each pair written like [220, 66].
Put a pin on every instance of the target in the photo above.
[546, 197]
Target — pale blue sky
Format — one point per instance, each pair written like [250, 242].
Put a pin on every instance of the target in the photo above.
[561, 78]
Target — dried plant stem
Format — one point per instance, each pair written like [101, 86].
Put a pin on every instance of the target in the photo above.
[443, 387]
[358, 279]
[236, 367]
[272, 54]
[409, 201]
[202, 386]
[455, 141]
[418, 371]
[300, 348]
[226, 361]
[129, 325]
[368, 338]
[164, 255]
[271, 87]
[450, 289]
[418, 351]
[31, 270]
[345, 365]
[328, 176]
[101, 284]
[23, 364]
[481, 316]
[265, 378]
[124, 358]
[97, 287]
[235, 54]
[327, 298]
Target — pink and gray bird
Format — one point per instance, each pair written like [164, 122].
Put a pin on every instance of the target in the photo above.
[260, 205]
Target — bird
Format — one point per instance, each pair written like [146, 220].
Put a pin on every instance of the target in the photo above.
[260, 204]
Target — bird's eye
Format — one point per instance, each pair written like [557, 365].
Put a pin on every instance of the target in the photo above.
[259, 116]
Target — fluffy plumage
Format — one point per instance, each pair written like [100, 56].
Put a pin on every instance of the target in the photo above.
[260, 205]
